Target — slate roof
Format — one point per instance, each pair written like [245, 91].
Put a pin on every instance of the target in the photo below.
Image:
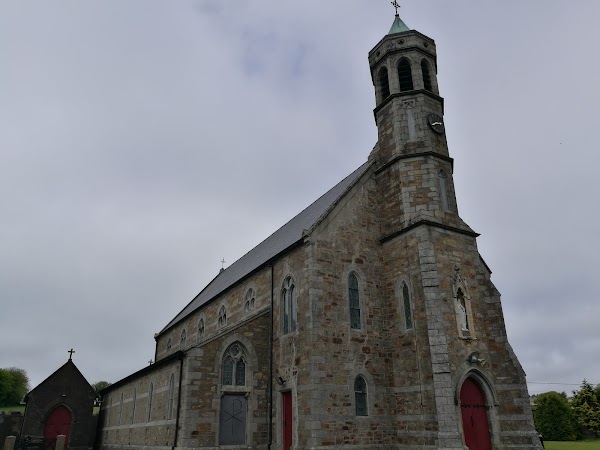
[281, 240]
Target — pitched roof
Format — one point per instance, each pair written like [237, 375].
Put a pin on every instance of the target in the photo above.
[68, 366]
[281, 240]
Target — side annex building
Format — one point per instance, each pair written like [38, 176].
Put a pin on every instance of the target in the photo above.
[368, 321]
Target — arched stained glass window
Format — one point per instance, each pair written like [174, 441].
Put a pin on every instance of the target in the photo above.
[405, 75]
[354, 298]
[234, 366]
[183, 339]
[288, 306]
[360, 396]
[222, 316]
[169, 344]
[228, 371]
[133, 405]
[249, 303]
[200, 328]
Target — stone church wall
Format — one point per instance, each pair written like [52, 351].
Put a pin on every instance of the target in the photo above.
[128, 421]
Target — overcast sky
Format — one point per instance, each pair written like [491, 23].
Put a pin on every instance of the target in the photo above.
[143, 141]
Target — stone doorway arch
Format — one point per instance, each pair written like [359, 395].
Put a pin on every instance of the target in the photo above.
[57, 422]
[475, 421]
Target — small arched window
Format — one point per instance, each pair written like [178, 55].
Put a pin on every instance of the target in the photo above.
[384, 83]
[443, 186]
[234, 366]
[201, 328]
[405, 75]
[408, 322]
[169, 344]
[183, 339]
[354, 298]
[249, 301]
[360, 396]
[288, 306]
[133, 405]
[426, 76]
[171, 397]
[150, 393]
[222, 316]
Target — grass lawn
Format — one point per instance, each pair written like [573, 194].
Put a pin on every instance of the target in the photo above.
[9, 409]
[577, 445]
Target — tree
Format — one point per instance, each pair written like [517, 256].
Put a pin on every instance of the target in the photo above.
[554, 418]
[586, 407]
[99, 385]
[14, 384]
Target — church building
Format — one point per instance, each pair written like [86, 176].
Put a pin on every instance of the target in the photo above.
[368, 321]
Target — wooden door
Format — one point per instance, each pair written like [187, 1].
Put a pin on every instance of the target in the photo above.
[476, 427]
[58, 422]
[287, 420]
[232, 425]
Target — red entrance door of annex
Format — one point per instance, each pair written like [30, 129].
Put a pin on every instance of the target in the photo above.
[287, 420]
[58, 422]
[474, 416]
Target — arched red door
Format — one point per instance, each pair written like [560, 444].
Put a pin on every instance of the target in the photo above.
[476, 427]
[57, 422]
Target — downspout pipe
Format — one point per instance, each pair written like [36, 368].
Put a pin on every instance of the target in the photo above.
[270, 400]
[178, 402]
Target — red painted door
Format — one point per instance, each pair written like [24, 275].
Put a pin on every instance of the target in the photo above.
[287, 420]
[474, 416]
[57, 422]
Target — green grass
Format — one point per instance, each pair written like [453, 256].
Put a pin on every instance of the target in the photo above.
[591, 444]
[9, 409]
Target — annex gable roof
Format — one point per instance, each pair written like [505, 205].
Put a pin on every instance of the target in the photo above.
[281, 240]
[68, 371]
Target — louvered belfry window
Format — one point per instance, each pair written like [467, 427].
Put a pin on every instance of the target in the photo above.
[384, 83]
[426, 76]
[405, 75]
[353, 294]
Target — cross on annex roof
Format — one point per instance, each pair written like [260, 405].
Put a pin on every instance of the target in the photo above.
[70, 352]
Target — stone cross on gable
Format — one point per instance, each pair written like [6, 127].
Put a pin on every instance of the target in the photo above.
[70, 352]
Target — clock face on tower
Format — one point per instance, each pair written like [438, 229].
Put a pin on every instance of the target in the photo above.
[435, 122]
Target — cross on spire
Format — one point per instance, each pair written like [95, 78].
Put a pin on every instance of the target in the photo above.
[396, 5]
[70, 352]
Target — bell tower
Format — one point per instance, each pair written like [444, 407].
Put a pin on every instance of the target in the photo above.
[409, 114]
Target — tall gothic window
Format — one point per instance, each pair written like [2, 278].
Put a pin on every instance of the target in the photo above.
[249, 301]
[171, 397]
[183, 339]
[384, 83]
[288, 306]
[222, 316]
[360, 396]
[408, 322]
[405, 75]
[121, 410]
[426, 76]
[443, 189]
[353, 295]
[463, 315]
[234, 366]
[200, 328]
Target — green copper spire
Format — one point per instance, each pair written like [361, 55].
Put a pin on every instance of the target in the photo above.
[398, 26]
